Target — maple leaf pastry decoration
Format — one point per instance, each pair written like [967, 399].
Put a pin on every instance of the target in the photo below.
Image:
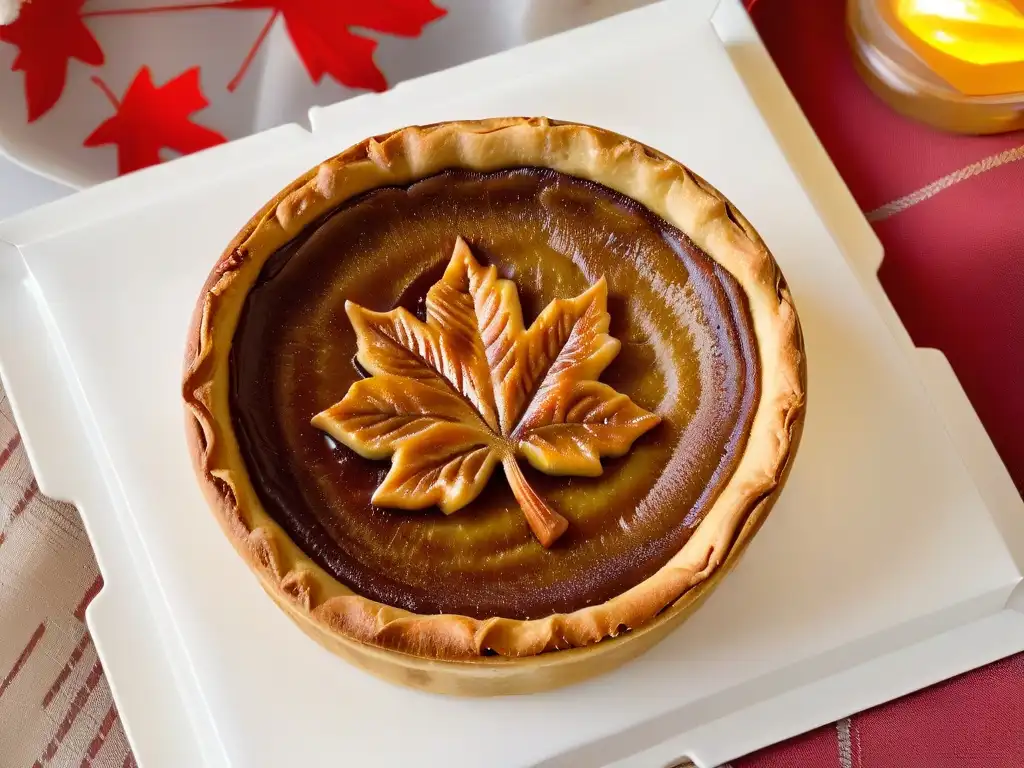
[450, 398]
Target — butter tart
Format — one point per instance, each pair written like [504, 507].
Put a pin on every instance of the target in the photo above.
[489, 406]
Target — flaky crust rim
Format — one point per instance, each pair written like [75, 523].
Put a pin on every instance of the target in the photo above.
[665, 187]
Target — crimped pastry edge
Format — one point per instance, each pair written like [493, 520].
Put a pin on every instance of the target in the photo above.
[327, 609]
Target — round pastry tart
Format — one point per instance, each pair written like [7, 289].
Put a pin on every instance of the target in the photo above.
[489, 406]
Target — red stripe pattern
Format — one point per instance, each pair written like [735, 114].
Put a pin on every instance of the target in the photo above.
[72, 714]
[101, 735]
[20, 506]
[26, 498]
[65, 671]
[23, 657]
[49, 576]
[8, 450]
[90, 593]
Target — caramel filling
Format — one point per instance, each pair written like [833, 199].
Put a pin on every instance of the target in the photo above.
[688, 355]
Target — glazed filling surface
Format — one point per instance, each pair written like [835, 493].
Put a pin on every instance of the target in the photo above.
[688, 354]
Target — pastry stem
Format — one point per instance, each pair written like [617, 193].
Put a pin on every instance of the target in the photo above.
[546, 524]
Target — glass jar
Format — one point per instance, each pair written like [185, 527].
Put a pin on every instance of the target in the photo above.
[955, 64]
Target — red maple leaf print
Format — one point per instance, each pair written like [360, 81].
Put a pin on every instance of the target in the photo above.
[149, 119]
[320, 31]
[48, 34]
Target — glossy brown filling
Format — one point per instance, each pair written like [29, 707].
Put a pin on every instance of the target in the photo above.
[688, 354]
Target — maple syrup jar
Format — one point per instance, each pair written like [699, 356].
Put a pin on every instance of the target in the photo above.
[490, 406]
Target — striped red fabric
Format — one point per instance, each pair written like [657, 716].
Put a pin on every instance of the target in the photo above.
[23, 657]
[100, 738]
[67, 669]
[55, 706]
[8, 450]
[90, 593]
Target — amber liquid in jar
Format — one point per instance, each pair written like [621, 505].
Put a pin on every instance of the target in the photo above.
[957, 65]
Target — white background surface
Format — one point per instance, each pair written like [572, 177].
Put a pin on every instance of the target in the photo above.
[882, 538]
[21, 189]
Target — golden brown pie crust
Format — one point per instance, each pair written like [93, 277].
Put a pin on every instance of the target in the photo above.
[449, 652]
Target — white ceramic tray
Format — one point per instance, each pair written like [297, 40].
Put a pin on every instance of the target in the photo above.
[893, 560]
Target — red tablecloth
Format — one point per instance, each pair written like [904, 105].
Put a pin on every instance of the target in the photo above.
[949, 211]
